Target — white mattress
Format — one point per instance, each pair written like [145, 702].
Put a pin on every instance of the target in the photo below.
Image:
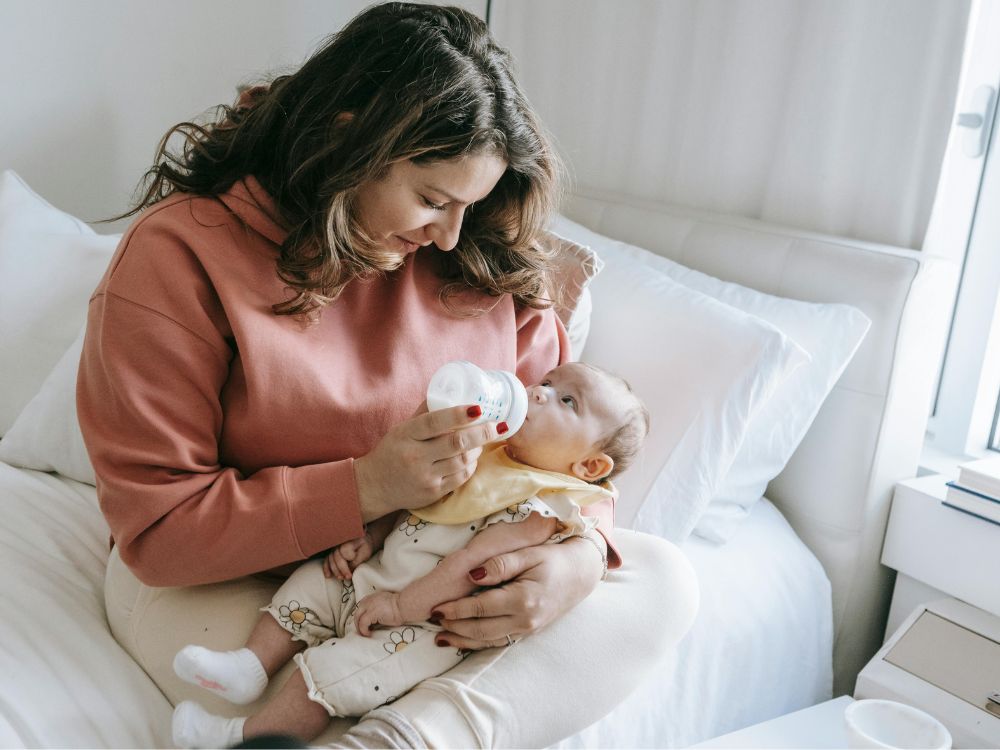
[760, 646]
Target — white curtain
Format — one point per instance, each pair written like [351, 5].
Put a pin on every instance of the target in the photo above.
[830, 115]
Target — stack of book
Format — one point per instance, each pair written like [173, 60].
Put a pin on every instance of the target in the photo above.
[977, 489]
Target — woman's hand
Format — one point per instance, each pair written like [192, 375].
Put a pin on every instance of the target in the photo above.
[544, 582]
[421, 460]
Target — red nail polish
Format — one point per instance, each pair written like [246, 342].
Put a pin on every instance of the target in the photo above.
[441, 643]
[474, 411]
[478, 574]
[502, 428]
[434, 619]
[436, 614]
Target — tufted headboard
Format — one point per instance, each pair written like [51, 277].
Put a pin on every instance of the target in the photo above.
[836, 490]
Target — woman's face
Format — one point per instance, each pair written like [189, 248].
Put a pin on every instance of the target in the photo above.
[420, 204]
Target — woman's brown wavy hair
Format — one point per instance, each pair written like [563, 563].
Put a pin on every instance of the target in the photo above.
[420, 82]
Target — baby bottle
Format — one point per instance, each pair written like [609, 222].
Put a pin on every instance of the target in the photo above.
[499, 393]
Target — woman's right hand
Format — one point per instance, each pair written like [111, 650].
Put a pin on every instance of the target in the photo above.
[421, 460]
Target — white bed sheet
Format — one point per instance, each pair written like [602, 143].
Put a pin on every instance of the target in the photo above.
[760, 647]
[64, 682]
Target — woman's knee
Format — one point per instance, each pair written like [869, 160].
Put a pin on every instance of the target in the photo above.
[624, 628]
[662, 582]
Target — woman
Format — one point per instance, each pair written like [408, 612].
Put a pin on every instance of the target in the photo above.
[258, 346]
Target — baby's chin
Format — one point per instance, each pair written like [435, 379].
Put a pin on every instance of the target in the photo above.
[520, 440]
[515, 447]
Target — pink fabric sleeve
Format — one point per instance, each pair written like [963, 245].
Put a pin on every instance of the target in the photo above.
[149, 406]
[604, 512]
[542, 344]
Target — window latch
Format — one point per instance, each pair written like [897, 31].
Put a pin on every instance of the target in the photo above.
[978, 119]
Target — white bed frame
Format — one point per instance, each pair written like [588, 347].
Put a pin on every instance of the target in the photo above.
[836, 490]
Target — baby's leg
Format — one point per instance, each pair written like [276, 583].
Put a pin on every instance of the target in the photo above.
[290, 712]
[286, 627]
[271, 644]
[346, 676]
[239, 676]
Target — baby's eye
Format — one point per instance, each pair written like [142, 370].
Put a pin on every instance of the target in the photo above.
[569, 400]
[431, 204]
[545, 383]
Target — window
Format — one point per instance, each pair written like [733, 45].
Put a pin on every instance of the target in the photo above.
[994, 437]
[965, 226]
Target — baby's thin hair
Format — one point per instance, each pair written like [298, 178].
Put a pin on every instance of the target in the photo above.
[624, 444]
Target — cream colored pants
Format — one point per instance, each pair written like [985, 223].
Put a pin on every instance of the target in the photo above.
[529, 695]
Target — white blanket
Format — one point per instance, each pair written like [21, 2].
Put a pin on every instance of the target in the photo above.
[760, 647]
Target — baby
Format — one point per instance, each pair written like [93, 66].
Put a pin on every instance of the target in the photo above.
[583, 426]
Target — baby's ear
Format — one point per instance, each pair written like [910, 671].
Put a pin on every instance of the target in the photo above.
[594, 467]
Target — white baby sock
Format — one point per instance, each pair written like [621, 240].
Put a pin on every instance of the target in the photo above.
[237, 676]
[194, 727]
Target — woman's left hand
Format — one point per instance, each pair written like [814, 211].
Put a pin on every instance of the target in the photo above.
[543, 582]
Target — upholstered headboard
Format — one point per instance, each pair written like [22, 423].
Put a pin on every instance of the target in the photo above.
[837, 487]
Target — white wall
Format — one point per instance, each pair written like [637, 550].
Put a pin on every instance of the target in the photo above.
[829, 115]
[88, 87]
[774, 109]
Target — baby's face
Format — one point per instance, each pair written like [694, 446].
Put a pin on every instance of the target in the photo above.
[570, 412]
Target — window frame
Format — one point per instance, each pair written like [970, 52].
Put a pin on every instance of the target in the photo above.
[966, 408]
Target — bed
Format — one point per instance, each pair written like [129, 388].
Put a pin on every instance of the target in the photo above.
[793, 599]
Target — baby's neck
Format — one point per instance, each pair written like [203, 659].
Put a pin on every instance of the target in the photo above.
[509, 451]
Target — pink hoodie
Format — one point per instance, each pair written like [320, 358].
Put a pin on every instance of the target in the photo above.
[223, 435]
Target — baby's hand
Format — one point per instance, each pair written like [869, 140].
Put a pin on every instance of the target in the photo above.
[347, 556]
[380, 608]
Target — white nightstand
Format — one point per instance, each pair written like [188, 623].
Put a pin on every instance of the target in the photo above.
[818, 726]
[942, 648]
[938, 551]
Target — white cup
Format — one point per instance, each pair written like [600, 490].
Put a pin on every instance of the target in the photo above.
[888, 724]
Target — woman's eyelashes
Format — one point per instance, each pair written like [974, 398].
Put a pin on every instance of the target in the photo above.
[431, 204]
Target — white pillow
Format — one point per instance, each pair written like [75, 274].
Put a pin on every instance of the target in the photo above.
[46, 435]
[830, 333]
[50, 263]
[574, 267]
[579, 325]
[701, 367]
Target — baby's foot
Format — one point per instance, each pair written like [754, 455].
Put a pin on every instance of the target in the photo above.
[237, 676]
[194, 727]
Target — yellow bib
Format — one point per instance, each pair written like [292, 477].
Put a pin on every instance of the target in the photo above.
[499, 482]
